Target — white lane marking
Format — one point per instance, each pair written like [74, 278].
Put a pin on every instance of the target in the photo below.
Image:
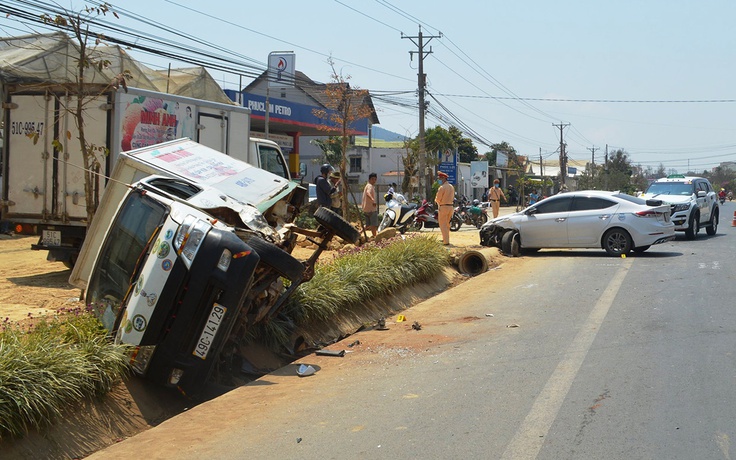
[530, 436]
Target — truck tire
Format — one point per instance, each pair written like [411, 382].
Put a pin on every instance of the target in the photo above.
[333, 221]
[281, 261]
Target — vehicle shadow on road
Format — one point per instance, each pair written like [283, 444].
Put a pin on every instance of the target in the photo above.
[596, 254]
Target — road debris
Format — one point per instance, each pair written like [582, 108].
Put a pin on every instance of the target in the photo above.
[340, 353]
[513, 325]
[490, 315]
[416, 326]
[357, 342]
[381, 325]
[305, 370]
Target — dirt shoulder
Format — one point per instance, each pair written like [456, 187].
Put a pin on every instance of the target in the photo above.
[31, 287]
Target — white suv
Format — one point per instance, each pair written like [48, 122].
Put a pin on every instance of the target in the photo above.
[693, 202]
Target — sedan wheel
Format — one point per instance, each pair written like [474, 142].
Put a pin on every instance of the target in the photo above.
[617, 242]
[510, 243]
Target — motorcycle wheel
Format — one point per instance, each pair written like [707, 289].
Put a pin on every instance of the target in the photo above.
[417, 225]
[455, 223]
[480, 220]
[386, 222]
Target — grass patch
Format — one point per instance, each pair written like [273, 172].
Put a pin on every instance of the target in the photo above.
[358, 276]
[55, 363]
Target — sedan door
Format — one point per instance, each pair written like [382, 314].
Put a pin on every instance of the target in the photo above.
[589, 217]
[545, 224]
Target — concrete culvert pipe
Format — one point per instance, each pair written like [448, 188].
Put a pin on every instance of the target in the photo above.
[474, 262]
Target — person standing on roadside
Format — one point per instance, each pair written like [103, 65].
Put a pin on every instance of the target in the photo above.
[336, 195]
[495, 195]
[369, 204]
[445, 196]
[324, 189]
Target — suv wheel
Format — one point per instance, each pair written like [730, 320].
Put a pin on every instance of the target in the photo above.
[693, 225]
[712, 227]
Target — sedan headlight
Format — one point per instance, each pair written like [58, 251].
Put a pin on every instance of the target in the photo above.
[189, 238]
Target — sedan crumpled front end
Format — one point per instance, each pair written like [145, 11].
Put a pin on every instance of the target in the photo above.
[492, 231]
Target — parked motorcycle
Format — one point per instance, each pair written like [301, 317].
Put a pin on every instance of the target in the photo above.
[399, 213]
[426, 216]
[469, 214]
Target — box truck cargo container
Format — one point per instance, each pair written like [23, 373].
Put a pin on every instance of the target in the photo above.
[43, 180]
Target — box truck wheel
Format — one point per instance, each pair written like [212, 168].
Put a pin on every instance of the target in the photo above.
[333, 221]
[281, 261]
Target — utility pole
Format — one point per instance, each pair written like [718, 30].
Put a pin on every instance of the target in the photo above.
[563, 154]
[422, 83]
[541, 170]
[605, 171]
[592, 161]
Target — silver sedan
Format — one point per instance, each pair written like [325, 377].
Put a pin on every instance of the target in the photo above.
[613, 221]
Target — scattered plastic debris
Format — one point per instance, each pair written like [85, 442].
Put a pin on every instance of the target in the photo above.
[416, 326]
[298, 440]
[357, 342]
[340, 353]
[305, 370]
[490, 315]
[513, 325]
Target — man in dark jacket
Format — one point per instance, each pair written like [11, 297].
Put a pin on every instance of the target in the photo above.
[324, 188]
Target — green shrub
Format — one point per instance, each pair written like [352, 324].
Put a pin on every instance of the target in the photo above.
[358, 275]
[46, 368]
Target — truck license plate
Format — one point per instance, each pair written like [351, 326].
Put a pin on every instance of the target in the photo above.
[210, 330]
[51, 237]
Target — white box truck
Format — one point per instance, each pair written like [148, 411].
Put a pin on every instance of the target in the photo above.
[43, 186]
[188, 249]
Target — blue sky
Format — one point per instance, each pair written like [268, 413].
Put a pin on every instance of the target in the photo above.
[623, 74]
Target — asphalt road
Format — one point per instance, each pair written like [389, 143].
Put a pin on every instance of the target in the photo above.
[559, 355]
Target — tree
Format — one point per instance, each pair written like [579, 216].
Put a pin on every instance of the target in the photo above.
[92, 155]
[466, 150]
[344, 106]
[436, 140]
[331, 149]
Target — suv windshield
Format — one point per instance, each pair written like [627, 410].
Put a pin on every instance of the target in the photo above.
[671, 188]
[135, 226]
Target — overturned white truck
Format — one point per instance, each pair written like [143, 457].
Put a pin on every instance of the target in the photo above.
[188, 249]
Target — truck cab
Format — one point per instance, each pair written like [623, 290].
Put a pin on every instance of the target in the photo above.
[188, 249]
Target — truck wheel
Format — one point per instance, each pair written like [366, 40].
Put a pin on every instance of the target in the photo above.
[281, 261]
[712, 227]
[693, 226]
[333, 221]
